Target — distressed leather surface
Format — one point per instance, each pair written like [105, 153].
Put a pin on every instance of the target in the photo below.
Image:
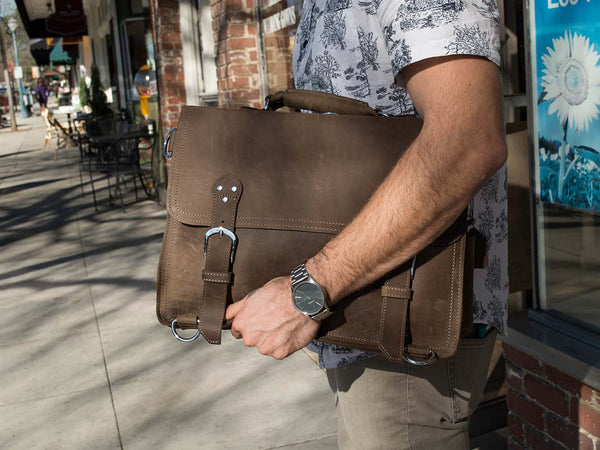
[304, 176]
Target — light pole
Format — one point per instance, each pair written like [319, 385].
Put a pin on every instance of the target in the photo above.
[12, 26]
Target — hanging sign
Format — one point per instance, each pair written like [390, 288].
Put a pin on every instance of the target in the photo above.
[565, 62]
[18, 72]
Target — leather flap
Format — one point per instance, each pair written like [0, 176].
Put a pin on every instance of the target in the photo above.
[284, 167]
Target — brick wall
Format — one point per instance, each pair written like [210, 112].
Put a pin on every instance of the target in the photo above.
[169, 60]
[278, 56]
[238, 69]
[548, 409]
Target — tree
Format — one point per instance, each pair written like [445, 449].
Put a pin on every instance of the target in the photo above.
[8, 9]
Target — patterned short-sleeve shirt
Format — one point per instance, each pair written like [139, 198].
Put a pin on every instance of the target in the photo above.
[356, 48]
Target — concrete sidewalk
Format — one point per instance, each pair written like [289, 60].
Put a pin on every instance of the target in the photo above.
[83, 361]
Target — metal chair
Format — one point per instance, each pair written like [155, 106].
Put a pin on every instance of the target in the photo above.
[132, 156]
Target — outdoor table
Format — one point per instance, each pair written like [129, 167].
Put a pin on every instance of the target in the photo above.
[123, 152]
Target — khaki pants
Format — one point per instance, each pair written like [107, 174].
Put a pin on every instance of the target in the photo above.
[381, 405]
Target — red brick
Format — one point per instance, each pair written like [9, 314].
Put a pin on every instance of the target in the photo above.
[243, 69]
[233, 5]
[235, 30]
[170, 92]
[175, 101]
[247, 95]
[514, 445]
[588, 419]
[236, 57]
[522, 360]
[514, 376]
[562, 380]
[172, 37]
[241, 17]
[173, 45]
[546, 395]
[588, 394]
[515, 427]
[174, 78]
[562, 431]
[241, 43]
[535, 440]
[585, 442]
[217, 9]
[239, 82]
[525, 409]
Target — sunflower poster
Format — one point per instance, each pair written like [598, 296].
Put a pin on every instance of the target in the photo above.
[565, 57]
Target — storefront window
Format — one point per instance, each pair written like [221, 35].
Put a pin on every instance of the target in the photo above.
[208, 69]
[279, 23]
[138, 54]
[565, 57]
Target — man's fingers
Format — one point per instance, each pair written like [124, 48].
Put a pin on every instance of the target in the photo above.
[236, 334]
[234, 309]
[230, 314]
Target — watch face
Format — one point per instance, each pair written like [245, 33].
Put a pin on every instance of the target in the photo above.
[308, 298]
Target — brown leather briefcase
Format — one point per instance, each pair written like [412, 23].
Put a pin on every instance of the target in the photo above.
[252, 193]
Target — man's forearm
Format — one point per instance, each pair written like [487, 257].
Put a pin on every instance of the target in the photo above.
[424, 193]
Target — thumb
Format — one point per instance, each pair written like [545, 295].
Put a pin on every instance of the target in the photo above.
[234, 309]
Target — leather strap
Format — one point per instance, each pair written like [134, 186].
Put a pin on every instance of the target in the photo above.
[321, 102]
[217, 277]
[396, 294]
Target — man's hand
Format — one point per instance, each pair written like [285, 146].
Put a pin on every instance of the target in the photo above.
[267, 320]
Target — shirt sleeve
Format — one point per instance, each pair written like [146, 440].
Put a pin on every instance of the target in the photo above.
[419, 29]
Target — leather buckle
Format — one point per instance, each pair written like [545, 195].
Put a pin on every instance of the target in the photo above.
[222, 231]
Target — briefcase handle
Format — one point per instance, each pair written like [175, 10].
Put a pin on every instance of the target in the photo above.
[321, 102]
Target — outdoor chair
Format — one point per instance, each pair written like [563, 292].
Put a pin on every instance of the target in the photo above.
[63, 136]
[55, 129]
[132, 155]
[110, 146]
[94, 160]
[50, 129]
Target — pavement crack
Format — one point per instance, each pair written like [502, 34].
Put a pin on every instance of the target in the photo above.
[91, 294]
[305, 441]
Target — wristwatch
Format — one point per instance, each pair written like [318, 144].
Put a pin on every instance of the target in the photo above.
[307, 296]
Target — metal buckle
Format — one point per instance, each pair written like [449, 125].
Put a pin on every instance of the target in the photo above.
[165, 153]
[180, 338]
[431, 358]
[222, 231]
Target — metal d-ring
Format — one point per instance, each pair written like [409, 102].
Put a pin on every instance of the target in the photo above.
[182, 339]
[167, 154]
[222, 231]
[431, 357]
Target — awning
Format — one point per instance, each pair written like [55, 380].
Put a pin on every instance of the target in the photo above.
[44, 18]
[62, 54]
[54, 50]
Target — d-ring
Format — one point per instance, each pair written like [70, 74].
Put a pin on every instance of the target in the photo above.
[182, 339]
[165, 146]
[431, 357]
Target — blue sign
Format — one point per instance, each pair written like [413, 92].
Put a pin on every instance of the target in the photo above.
[565, 60]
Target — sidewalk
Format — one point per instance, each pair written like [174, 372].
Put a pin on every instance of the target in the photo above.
[84, 363]
[83, 360]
